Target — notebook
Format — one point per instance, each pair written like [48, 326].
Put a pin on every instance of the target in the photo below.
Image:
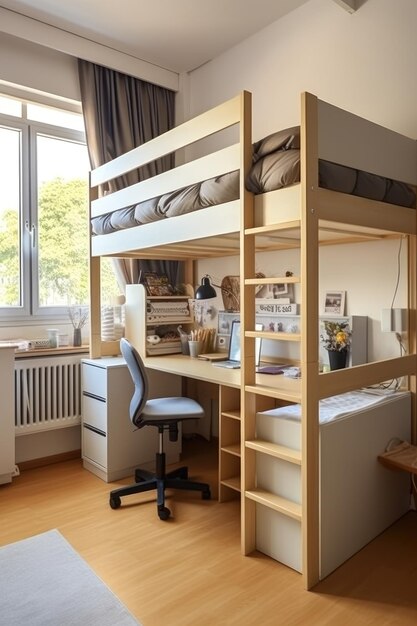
[233, 358]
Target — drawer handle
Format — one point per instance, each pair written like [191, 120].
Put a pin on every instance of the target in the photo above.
[94, 397]
[95, 430]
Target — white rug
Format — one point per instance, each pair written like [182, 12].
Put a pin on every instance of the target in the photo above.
[44, 582]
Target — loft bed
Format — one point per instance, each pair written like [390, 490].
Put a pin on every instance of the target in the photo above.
[302, 215]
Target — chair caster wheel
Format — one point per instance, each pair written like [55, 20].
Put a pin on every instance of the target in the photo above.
[115, 502]
[163, 512]
[206, 495]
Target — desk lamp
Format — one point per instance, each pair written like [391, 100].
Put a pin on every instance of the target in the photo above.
[206, 291]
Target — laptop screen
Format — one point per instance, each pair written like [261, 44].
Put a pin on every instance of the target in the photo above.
[234, 346]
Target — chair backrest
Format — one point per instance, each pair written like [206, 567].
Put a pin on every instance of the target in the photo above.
[138, 373]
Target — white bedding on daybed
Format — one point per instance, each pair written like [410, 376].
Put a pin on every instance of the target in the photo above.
[336, 407]
[359, 497]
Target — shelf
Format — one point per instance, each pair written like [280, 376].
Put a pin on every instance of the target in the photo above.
[273, 280]
[234, 415]
[278, 336]
[262, 230]
[273, 392]
[272, 501]
[233, 482]
[275, 450]
[233, 448]
[164, 321]
[171, 298]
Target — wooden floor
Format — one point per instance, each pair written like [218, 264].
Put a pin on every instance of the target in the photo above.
[189, 571]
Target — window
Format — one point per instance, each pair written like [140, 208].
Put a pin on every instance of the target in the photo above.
[43, 211]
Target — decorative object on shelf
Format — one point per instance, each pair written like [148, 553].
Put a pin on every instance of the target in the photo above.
[334, 302]
[77, 340]
[337, 359]
[52, 337]
[158, 285]
[78, 316]
[336, 340]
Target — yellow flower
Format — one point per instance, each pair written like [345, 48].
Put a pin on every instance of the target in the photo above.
[341, 337]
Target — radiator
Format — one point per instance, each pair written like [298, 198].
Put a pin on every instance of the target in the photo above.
[47, 393]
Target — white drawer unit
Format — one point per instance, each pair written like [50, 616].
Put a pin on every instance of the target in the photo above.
[112, 447]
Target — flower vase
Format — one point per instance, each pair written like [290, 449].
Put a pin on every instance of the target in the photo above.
[77, 337]
[337, 359]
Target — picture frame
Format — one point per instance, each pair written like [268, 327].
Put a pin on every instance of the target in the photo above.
[157, 285]
[334, 302]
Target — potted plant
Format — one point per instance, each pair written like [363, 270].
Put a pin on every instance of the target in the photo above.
[336, 338]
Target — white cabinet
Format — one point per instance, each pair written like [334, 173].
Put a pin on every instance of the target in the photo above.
[112, 447]
[7, 427]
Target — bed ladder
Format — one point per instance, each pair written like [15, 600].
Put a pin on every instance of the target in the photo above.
[258, 397]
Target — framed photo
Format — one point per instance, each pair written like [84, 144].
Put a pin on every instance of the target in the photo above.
[334, 302]
[157, 285]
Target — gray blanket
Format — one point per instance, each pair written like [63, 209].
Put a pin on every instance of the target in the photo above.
[276, 164]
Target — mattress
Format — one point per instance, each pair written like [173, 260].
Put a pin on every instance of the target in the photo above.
[337, 407]
[275, 164]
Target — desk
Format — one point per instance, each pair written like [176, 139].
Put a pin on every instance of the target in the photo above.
[227, 384]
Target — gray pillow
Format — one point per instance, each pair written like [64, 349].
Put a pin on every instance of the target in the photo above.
[274, 171]
[281, 140]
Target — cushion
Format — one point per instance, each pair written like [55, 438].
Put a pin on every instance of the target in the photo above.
[399, 193]
[274, 171]
[281, 140]
[370, 186]
[337, 177]
[148, 211]
[220, 189]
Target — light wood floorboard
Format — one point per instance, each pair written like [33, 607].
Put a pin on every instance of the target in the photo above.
[189, 571]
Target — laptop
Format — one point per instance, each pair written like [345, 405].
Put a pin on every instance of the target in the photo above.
[233, 358]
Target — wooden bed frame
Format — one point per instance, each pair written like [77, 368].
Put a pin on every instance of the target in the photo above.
[302, 216]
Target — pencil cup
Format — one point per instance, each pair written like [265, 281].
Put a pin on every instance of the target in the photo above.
[195, 348]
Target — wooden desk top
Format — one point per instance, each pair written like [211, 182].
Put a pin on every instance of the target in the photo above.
[183, 365]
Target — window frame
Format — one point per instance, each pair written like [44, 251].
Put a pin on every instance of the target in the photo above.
[30, 309]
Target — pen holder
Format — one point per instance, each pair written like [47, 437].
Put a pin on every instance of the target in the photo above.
[195, 348]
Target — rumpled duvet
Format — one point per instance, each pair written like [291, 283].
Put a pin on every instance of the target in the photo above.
[275, 164]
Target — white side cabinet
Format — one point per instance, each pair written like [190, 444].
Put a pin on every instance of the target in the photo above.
[112, 447]
[7, 427]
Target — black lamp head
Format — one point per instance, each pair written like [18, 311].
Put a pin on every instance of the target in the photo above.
[205, 291]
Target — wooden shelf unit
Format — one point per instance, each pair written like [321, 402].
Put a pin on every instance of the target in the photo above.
[139, 321]
[229, 443]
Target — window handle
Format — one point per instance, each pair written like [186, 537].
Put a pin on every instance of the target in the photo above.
[32, 232]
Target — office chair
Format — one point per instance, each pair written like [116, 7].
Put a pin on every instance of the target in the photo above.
[163, 414]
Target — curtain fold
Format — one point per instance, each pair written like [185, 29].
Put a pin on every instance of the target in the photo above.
[120, 113]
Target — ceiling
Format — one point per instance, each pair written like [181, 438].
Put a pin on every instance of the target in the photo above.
[178, 35]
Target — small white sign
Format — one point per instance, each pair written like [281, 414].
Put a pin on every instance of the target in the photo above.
[271, 307]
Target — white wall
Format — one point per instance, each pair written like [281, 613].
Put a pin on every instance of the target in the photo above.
[364, 63]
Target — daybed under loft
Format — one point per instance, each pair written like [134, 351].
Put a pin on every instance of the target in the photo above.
[302, 215]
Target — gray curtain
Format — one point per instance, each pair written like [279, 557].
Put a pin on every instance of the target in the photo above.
[122, 112]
